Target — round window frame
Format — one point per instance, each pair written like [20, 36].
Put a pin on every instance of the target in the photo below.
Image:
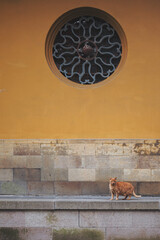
[68, 16]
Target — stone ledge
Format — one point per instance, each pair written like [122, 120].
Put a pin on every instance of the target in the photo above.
[77, 203]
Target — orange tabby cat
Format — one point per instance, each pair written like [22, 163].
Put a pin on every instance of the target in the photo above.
[121, 188]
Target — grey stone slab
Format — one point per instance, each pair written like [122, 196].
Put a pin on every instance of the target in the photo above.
[12, 161]
[105, 219]
[149, 188]
[33, 161]
[33, 174]
[139, 175]
[89, 161]
[135, 233]
[40, 188]
[78, 203]
[20, 174]
[61, 161]
[38, 233]
[155, 175]
[135, 205]
[15, 188]
[12, 219]
[129, 162]
[104, 174]
[108, 205]
[51, 219]
[60, 174]
[150, 162]
[81, 174]
[67, 188]
[27, 205]
[116, 162]
[6, 174]
[27, 174]
[47, 170]
[146, 219]
[94, 188]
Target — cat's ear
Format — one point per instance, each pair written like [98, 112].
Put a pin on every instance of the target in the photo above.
[110, 178]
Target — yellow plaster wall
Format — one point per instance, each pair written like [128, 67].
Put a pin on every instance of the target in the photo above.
[35, 104]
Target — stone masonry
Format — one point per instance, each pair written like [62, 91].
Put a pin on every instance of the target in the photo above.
[78, 167]
[53, 218]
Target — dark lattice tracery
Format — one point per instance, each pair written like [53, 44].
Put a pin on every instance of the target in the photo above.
[87, 50]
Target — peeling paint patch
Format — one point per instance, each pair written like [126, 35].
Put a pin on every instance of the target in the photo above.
[148, 148]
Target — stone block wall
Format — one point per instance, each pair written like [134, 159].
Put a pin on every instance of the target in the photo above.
[112, 225]
[78, 167]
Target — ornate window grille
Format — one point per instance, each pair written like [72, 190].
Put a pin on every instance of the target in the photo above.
[86, 49]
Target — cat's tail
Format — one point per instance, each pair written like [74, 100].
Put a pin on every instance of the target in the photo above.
[137, 196]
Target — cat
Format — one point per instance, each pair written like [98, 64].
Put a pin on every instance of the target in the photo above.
[121, 188]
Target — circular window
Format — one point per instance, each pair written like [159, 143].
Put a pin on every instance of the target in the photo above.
[85, 47]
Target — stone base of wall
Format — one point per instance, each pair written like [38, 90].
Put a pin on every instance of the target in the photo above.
[78, 167]
[40, 233]
[79, 218]
[50, 234]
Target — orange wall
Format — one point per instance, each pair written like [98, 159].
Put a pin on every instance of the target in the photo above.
[35, 104]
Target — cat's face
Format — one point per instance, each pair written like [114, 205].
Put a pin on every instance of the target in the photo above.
[113, 181]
